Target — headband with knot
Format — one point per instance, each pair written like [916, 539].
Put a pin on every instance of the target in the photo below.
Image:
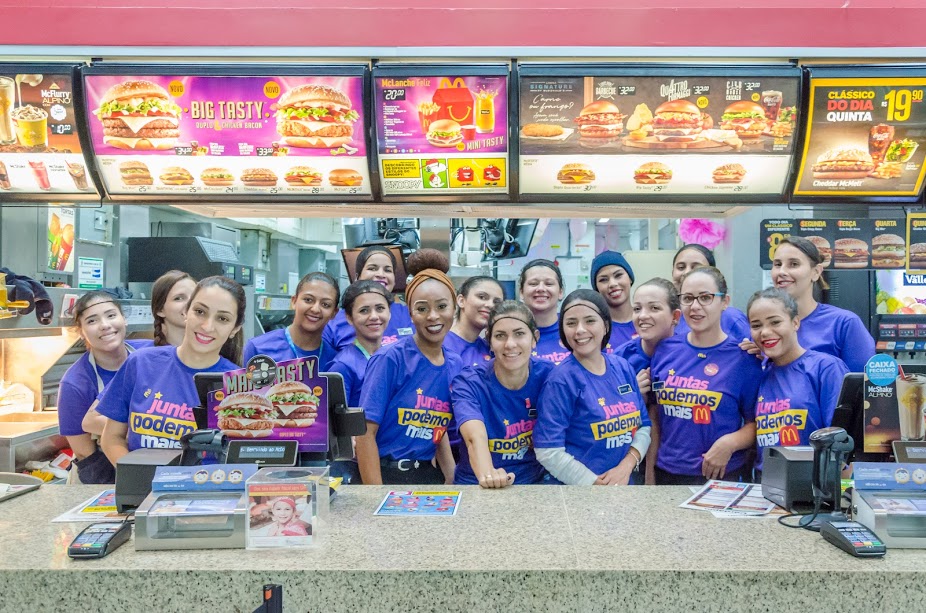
[424, 275]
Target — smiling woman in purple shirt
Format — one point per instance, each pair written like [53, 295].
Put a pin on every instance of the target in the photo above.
[476, 299]
[541, 287]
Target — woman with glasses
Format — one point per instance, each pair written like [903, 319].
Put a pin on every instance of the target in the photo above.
[732, 320]
[706, 389]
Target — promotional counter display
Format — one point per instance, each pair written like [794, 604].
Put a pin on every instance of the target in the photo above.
[595, 132]
[229, 132]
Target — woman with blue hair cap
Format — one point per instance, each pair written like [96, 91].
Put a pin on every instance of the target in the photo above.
[612, 277]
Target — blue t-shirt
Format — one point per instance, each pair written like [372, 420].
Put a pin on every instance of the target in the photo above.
[632, 351]
[620, 334]
[549, 347]
[593, 416]
[732, 321]
[508, 415]
[409, 397]
[352, 364]
[79, 388]
[154, 394]
[275, 345]
[471, 354]
[796, 399]
[339, 333]
[838, 332]
[703, 393]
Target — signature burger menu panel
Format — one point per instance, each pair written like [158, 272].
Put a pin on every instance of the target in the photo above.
[287, 134]
[864, 134]
[685, 132]
[39, 148]
[843, 243]
[442, 131]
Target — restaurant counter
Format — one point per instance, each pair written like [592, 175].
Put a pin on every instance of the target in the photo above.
[548, 548]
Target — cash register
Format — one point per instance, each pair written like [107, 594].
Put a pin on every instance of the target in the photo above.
[890, 498]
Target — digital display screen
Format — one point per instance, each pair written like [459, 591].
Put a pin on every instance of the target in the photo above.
[272, 452]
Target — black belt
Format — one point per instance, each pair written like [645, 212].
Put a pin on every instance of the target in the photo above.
[405, 465]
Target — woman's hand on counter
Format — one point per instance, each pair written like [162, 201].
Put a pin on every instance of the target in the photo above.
[620, 474]
[496, 478]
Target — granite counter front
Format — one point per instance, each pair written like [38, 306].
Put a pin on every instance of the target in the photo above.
[532, 548]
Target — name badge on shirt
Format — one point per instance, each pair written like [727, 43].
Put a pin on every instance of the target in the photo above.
[658, 385]
[624, 389]
[405, 331]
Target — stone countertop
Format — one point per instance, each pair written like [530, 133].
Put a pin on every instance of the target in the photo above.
[551, 548]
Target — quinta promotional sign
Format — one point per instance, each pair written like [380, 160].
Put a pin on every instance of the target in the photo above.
[864, 136]
[39, 148]
[442, 135]
[843, 243]
[684, 133]
[230, 135]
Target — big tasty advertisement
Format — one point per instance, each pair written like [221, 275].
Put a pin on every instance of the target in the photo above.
[687, 133]
[864, 136]
[39, 148]
[442, 135]
[295, 136]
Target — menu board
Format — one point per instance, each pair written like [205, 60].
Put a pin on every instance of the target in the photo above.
[39, 148]
[442, 133]
[864, 135]
[843, 243]
[708, 133]
[295, 136]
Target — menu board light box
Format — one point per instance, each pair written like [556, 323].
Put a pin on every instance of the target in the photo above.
[281, 136]
[40, 150]
[442, 131]
[866, 135]
[687, 132]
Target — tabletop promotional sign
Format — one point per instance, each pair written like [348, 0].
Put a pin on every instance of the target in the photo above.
[281, 402]
[295, 136]
[39, 148]
[442, 134]
[864, 136]
[895, 399]
[689, 133]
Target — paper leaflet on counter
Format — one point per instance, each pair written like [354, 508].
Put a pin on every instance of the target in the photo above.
[728, 499]
[99, 507]
[420, 503]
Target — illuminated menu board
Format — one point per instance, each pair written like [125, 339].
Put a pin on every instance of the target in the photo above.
[285, 135]
[698, 133]
[40, 151]
[864, 134]
[442, 131]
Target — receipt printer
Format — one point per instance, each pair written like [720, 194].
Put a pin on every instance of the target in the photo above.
[787, 475]
[135, 472]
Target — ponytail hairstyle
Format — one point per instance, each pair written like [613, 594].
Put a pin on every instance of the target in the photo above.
[472, 282]
[159, 292]
[707, 253]
[231, 350]
[714, 274]
[534, 264]
[324, 277]
[776, 294]
[810, 251]
[92, 299]
[668, 288]
[513, 309]
[359, 288]
[598, 301]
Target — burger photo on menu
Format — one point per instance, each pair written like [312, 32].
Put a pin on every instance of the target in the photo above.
[444, 133]
[575, 173]
[600, 120]
[746, 118]
[729, 173]
[344, 177]
[823, 246]
[176, 175]
[216, 177]
[843, 163]
[259, 177]
[851, 253]
[918, 256]
[139, 115]
[652, 173]
[315, 116]
[294, 403]
[888, 251]
[677, 121]
[303, 176]
[133, 172]
[245, 415]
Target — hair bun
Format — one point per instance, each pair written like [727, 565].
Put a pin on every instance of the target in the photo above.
[427, 258]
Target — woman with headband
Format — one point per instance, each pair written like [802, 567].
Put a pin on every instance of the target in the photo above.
[475, 300]
[732, 320]
[592, 426]
[406, 391]
[374, 263]
[495, 404]
[541, 287]
[612, 277]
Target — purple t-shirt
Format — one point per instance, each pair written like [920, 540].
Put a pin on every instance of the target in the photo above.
[593, 416]
[476, 353]
[275, 345]
[409, 397]
[632, 351]
[154, 394]
[838, 332]
[339, 333]
[620, 334]
[732, 321]
[508, 415]
[796, 399]
[352, 364]
[549, 347]
[79, 388]
[703, 393]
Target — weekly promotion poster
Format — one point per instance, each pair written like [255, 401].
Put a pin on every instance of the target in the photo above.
[843, 243]
[233, 135]
[684, 134]
[442, 135]
[39, 148]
